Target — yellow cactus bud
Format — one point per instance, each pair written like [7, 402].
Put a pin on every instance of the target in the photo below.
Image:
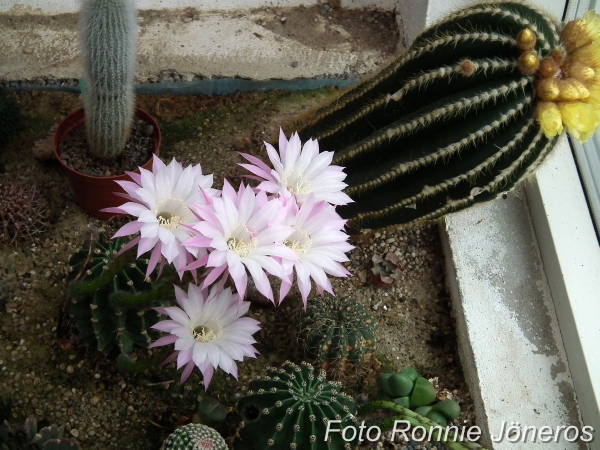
[581, 71]
[526, 39]
[528, 62]
[572, 90]
[581, 32]
[549, 117]
[548, 67]
[547, 89]
[581, 119]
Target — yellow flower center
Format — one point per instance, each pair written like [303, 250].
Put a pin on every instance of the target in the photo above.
[299, 241]
[296, 182]
[168, 220]
[241, 241]
[171, 212]
[207, 329]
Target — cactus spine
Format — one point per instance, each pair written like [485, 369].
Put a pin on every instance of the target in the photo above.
[290, 408]
[108, 35]
[449, 123]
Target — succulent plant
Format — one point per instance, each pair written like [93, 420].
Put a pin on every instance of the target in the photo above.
[22, 211]
[10, 117]
[385, 270]
[337, 333]
[450, 122]
[211, 411]
[290, 409]
[108, 40]
[111, 298]
[194, 436]
[32, 438]
[409, 390]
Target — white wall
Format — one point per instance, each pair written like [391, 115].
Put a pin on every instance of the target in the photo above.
[71, 6]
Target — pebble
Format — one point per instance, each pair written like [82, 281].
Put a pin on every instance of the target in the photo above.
[94, 400]
[28, 50]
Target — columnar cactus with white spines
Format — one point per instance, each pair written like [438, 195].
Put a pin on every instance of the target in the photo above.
[448, 123]
[108, 35]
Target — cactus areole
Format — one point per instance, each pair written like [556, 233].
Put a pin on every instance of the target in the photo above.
[108, 41]
[472, 108]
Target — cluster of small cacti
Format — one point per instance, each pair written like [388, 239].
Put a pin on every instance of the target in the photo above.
[111, 298]
[30, 437]
[108, 34]
[10, 117]
[22, 211]
[337, 332]
[446, 124]
[385, 270]
[290, 409]
[194, 436]
[409, 390]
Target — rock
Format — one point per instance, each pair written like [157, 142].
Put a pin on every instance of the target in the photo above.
[28, 50]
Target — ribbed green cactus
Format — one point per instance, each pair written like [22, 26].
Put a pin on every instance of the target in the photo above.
[108, 40]
[111, 299]
[290, 408]
[10, 117]
[336, 331]
[448, 123]
[194, 436]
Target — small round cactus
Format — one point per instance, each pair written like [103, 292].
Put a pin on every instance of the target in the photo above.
[111, 298]
[22, 211]
[194, 436]
[290, 409]
[337, 332]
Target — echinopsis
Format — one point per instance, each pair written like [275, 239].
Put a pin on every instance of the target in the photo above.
[457, 119]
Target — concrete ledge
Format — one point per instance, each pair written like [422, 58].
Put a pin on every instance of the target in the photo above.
[509, 339]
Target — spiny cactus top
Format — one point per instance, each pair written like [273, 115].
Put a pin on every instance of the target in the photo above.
[108, 39]
[290, 409]
[194, 436]
[472, 108]
[337, 329]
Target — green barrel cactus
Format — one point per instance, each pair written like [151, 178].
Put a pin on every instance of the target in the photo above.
[111, 298]
[290, 409]
[448, 123]
[30, 437]
[336, 331]
[108, 41]
[10, 117]
[194, 436]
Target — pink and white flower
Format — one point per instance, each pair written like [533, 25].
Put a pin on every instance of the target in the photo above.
[208, 331]
[160, 200]
[300, 170]
[242, 231]
[319, 243]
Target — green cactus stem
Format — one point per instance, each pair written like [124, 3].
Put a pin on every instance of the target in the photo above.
[111, 298]
[46, 438]
[108, 40]
[337, 332]
[452, 442]
[290, 409]
[446, 124]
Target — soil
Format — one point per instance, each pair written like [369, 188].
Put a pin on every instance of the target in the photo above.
[46, 370]
[75, 152]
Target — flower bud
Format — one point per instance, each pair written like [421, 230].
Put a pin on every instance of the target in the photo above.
[575, 35]
[581, 71]
[526, 40]
[558, 55]
[549, 118]
[571, 90]
[581, 119]
[547, 89]
[528, 62]
[548, 67]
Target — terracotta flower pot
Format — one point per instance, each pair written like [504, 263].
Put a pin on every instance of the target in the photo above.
[95, 193]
